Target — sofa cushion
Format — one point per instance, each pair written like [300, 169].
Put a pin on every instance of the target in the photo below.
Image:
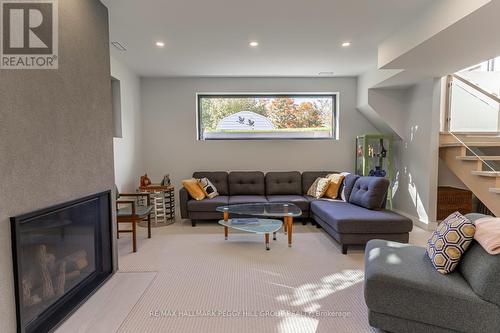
[344, 217]
[218, 178]
[369, 192]
[246, 183]
[297, 200]
[482, 272]
[280, 183]
[401, 281]
[310, 198]
[207, 205]
[308, 178]
[347, 186]
[242, 199]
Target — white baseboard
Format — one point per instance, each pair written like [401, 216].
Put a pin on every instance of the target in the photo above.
[429, 226]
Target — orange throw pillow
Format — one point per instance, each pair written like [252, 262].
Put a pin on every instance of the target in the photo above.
[194, 189]
[332, 191]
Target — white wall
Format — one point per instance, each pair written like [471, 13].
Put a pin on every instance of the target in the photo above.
[128, 152]
[416, 156]
[447, 177]
[170, 145]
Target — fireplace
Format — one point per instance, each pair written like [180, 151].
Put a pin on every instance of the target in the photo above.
[61, 255]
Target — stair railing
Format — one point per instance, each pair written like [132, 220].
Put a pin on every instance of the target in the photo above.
[489, 166]
[470, 108]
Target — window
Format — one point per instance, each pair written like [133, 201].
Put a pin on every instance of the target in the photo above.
[267, 116]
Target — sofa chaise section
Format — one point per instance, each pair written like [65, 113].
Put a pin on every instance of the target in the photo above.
[363, 217]
[405, 293]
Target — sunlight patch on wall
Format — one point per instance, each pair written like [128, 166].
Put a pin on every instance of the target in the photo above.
[417, 201]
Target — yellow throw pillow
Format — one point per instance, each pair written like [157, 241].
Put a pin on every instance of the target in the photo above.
[332, 191]
[193, 188]
[319, 187]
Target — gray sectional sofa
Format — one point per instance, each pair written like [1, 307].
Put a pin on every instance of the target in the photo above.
[404, 293]
[354, 222]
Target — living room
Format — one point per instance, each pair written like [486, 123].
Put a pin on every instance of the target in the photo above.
[180, 166]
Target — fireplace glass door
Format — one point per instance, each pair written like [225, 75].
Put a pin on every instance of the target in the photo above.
[59, 253]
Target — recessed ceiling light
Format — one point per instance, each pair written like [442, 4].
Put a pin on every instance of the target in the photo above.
[346, 44]
[160, 44]
[253, 44]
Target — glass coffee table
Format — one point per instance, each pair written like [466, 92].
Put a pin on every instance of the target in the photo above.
[263, 223]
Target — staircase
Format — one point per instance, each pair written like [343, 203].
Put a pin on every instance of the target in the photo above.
[478, 172]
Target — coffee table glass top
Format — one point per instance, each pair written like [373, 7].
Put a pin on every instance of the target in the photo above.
[263, 209]
[257, 226]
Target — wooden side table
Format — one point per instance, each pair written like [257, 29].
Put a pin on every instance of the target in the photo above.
[163, 200]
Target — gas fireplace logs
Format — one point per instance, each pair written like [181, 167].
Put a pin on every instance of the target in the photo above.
[49, 275]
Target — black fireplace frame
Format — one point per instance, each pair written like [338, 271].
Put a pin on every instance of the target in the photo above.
[53, 316]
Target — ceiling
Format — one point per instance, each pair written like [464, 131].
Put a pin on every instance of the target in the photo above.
[296, 37]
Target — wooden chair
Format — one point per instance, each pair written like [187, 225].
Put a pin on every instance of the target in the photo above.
[133, 214]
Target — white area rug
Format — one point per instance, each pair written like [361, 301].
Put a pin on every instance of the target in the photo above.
[188, 279]
[206, 284]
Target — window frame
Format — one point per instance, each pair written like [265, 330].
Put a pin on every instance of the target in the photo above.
[335, 118]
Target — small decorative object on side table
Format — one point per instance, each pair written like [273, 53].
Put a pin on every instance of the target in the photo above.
[163, 200]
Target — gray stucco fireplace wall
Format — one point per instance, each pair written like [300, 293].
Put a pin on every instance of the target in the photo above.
[56, 140]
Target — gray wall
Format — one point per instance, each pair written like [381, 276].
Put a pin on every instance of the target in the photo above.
[56, 137]
[169, 119]
[129, 164]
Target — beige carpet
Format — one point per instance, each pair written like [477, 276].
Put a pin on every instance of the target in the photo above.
[206, 284]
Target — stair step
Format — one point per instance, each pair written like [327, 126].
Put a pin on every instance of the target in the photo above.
[495, 190]
[486, 173]
[473, 134]
[475, 158]
[472, 144]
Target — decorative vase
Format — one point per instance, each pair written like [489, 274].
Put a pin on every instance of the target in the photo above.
[378, 172]
[145, 181]
[383, 151]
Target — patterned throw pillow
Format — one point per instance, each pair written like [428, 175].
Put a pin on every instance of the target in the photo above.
[450, 240]
[319, 187]
[332, 191]
[208, 188]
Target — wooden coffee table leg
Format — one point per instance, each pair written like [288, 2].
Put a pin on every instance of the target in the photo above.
[134, 237]
[290, 230]
[274, 235]
[267, 242]
[226, 218]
